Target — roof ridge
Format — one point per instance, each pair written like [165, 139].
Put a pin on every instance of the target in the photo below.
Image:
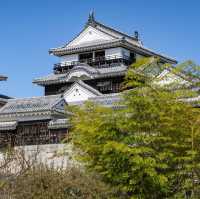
[89, 44]
[35, 97]
[115, 30]
[182, 74]
[94, 24]
[87, 86]
[86, 67]
[57, 101]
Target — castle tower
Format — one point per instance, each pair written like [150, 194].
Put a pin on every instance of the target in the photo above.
[91, 66]
[94, 63]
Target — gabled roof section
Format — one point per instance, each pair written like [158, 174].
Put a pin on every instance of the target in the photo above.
[102, 32]
[82, 73]
[97, 36]
[85, 67]
[3, 99]
[95, 33]
[80, 91]
[89, 35]
[33, 109]
[111, 31]
[169, 77]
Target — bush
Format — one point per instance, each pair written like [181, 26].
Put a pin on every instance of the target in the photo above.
[41, 182]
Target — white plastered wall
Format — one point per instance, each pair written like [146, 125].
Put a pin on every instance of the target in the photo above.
[88, 35]
[117, 52]
[67, 59]
[77, 93]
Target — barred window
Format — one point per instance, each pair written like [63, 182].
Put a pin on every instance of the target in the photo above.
[105, 86]
[116, 87]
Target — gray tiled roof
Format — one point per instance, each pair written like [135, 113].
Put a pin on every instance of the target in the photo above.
[4, 97]
[107, 100]
[25, 109]
[113, 100]
[51, 79]
[85, 45]
[30, 104]
[115, 34]
[119, 39]
[3, 100]
[111, 44]
[88, 44]
[120, 69]
[93, 73]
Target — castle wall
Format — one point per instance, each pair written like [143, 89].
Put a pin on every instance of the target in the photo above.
[53, 155]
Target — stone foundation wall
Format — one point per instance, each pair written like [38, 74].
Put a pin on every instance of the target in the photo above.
[53, 155]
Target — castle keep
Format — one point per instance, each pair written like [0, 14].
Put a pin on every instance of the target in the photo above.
[92, 67]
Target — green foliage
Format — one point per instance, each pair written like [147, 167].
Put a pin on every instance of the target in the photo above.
[188, 68]
[149, 149]
[143, 72]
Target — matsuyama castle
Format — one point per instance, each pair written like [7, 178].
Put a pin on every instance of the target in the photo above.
[91, 66]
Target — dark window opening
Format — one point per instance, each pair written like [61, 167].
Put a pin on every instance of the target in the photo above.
[132, 57]
[116, 87]
[85, 57]
[105, 86]
[100, 54]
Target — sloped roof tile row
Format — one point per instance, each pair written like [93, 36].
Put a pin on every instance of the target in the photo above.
[92, 72]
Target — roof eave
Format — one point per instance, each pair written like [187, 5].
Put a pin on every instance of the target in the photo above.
[119, 43]
[63, 51]
[50, 82]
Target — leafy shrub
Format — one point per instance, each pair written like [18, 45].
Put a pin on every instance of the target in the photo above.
[42, 182]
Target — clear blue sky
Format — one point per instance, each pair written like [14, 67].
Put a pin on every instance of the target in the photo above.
[29, 28]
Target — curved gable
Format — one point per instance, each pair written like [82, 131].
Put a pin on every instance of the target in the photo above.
[89, 35]
[79, 74]
[80, 91]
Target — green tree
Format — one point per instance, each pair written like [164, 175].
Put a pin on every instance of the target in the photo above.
[150, 147]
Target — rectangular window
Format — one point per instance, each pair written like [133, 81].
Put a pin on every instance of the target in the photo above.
[85, 57]
[99, 54]
[105, 86]
[132, 57]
